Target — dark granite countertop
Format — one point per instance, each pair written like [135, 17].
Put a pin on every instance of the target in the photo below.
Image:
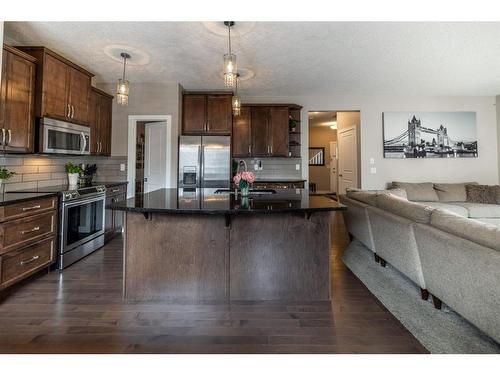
[206, 201]
[17, 197]
[279, 180]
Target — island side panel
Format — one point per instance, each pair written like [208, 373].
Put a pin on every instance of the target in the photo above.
[176, 258]
[282, 257]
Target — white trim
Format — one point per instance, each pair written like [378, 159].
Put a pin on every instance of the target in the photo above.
[132, 134]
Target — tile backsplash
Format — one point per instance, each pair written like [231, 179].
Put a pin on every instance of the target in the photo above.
[275, 168]
[33, 171]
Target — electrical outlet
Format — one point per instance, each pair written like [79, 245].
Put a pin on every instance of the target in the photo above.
[297, 167]
[373, 170]
[122, 167]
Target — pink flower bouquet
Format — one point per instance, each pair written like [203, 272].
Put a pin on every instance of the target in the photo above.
[243, 179]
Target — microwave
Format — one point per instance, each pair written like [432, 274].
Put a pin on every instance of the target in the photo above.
[60, 137]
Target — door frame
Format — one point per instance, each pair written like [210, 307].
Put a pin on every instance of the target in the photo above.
[131, 152]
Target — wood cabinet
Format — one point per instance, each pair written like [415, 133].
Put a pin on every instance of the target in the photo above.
[62, 87]
[205, 113]
[114, 220]
[100, 122]
[17, 96]
[241, 133]
[262, 131]
[28, 232]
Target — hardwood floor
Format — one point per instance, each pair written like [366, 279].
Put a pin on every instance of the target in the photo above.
[81, 311]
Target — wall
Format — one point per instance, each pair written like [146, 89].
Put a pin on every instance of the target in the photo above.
[146, 99]
[484, 169]
[35, 171]
[498, 132]
[321, 137]
[275, 168]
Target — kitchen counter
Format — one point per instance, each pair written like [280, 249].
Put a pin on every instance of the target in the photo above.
[17, 197]
[197, 246]
[208, 201]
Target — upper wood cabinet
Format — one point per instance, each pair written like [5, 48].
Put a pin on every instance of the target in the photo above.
[62, 87]
[100, 121]
[241, 133]
[206, 113]
[262, 130]
[17, 101]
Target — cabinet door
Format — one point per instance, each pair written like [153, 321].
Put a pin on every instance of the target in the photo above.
[3, 89]
[55, 88]
[219, 114]
[94, 122]
[19, 120]
[260, 131]
[79, 91]
[241, 133]
[278, 126]
[105, 115]
[193, 114]
[108, 219]
[119, 217]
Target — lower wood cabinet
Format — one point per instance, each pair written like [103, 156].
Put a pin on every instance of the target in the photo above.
[28, 238]
[18, 264]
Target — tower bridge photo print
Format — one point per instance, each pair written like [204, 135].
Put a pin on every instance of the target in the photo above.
[430, 135]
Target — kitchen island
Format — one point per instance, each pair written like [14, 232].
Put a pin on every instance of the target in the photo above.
[213, 246]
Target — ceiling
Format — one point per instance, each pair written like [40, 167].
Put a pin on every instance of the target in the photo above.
[321, 119]
[286, 58]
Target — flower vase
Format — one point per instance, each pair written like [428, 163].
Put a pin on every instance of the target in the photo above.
[245, 203]
[73, 180]
[245, 191]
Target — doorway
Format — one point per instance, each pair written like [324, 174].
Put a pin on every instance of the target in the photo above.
[334, 153]
[149, 153]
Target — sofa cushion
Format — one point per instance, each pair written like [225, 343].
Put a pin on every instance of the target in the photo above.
[480, 210]
[455, 208]
[490, 220]
[482, 193]
[418, 192]
[473, 230]
[369, 196]
[452, 192]
[402, 207]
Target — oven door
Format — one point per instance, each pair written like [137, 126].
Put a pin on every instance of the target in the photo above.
[82, 221]
[59, 137]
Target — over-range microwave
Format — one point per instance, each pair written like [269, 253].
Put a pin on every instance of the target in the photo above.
[60, 137]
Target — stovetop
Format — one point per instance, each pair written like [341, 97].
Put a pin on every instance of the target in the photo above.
[69, 192]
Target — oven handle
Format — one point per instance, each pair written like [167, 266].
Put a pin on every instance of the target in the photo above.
[82, 134]
[85, 201]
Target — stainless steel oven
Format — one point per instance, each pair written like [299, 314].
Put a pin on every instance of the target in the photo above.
[60, 137]
[81, 224]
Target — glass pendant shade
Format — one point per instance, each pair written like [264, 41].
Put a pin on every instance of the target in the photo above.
[122, 90]
[236, 105]
[230, 69]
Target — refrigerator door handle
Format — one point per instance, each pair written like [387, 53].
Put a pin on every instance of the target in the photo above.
[201, 149]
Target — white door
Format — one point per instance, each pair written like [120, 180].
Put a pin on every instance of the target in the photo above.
[333, 167]
[155, 156]
[347, 159]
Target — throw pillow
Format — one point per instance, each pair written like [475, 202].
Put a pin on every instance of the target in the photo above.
[418, 192]
[482, 194]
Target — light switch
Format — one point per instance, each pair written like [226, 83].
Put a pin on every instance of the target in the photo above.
[122, 167]
[297, 167]
[372, 161]
[373, 170]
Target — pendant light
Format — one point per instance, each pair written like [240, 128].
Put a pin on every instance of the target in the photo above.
[230, 68]
[236, 101]
[122, 87]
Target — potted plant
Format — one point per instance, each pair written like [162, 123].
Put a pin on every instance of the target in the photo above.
[243, 181]
[73, 172]
[5, 174]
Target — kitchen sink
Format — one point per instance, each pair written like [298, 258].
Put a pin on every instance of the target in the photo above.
[251, 191]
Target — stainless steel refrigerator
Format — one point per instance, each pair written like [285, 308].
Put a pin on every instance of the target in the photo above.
[204, 161]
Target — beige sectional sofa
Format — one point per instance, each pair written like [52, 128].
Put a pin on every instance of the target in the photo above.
[446, 246]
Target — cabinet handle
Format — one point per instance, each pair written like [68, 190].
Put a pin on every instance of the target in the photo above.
[35, 229]
[3, 136]
[208, 124]
[72, 111]
[69, 111]
[115, 190]
[23, 262]
[271, 149]
[100, 146]
[249, 149]
[9, 132]
[31, 208]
